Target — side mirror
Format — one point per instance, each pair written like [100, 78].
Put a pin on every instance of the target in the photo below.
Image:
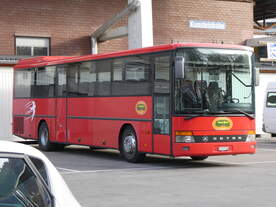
[257, 77]
[179, 67]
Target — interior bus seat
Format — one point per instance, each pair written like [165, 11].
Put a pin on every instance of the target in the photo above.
[214, 95]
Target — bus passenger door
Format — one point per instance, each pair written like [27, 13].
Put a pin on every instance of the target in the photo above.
[161, 105]
[61, 104]
[161, 128]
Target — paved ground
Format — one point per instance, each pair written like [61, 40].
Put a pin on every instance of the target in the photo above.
[102, 178]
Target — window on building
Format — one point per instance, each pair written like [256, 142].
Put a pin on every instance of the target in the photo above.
[32, 46]
[260, 52]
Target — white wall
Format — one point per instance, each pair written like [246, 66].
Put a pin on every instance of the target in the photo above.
[260, 95]
[6, 81]
[6, 87]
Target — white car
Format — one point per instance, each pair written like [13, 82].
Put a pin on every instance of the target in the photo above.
[269, 114]
[29, 179]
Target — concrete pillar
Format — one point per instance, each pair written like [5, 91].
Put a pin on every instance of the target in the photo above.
[140, 32]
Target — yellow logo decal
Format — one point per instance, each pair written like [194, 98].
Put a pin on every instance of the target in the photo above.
[222, 123]
[141, 107]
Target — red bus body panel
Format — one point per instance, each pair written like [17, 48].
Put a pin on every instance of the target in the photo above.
[45, 110]
[89, 121]
[162, 144]
[98, 121]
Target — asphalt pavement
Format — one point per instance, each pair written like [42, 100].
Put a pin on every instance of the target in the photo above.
[102, 178]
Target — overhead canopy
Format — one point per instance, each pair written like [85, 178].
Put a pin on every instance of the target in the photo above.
[264, 9]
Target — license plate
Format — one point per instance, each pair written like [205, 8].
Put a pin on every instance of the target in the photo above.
[223, 149]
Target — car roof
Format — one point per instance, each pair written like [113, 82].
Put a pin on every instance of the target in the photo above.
[18, 148]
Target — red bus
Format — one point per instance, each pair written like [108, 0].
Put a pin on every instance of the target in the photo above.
[189, 99]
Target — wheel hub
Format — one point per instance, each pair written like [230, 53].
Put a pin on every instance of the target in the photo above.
[44, 136]
[130, 144]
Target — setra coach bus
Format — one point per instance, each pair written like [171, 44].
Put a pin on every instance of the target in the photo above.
[189, 99]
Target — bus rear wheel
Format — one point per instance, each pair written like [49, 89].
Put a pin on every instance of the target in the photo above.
[129, 146]
[43, 138]
[198, 158]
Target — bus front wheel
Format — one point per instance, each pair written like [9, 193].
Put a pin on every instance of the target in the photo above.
[129, 146]
[199, 157]
[43, 138]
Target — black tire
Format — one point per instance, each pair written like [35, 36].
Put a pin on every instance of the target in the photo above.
[58, 146]
[129, 147]
[198, 158]
[43, 138]
[273, 135]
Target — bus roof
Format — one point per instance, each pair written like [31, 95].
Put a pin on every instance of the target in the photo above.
[38, 61]
[55, 60]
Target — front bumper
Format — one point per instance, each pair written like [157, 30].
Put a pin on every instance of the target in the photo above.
[209, 149]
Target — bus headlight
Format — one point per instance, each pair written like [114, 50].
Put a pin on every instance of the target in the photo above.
[184, 139]
[251, 137]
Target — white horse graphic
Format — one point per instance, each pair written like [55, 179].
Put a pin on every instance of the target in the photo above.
[30, 109]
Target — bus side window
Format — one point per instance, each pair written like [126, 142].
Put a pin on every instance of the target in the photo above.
[138, 75]
[92, 79]
[103, 87]
[87, 77]
[45, 82]
[162, 74]
[61, 80]
[73, 79]
[118, 84]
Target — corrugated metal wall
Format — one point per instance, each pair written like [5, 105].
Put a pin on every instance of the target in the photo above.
[6, 85]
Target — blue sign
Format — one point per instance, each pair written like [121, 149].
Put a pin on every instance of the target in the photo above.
[271, 50]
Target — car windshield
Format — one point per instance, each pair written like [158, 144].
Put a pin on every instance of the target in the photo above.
[215, 81]
[19, 187]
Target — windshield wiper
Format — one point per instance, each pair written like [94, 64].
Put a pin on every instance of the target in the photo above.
[191, 117]
[206, 113]
[243, 112]
[202, 113]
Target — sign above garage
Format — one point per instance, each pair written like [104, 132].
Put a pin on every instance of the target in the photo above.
[203, 24]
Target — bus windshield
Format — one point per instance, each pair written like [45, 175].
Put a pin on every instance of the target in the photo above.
[215, 81]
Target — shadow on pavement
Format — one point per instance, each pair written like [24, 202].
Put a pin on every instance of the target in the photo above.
[83, 158]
